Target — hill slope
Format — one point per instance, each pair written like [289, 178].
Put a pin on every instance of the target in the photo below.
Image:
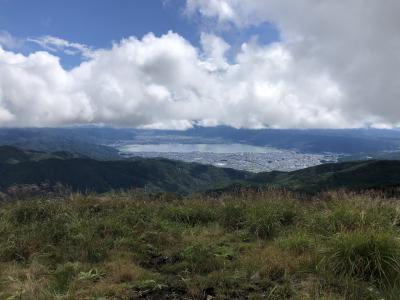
[10, 154]
[155, 175]
[374, 174]
[77, 141]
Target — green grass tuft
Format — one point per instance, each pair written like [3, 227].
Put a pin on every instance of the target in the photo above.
[367, 255]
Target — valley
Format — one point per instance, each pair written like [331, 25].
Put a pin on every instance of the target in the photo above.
[237, 156]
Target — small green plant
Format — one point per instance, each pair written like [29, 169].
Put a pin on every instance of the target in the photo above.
[148, 288]
[92, 275]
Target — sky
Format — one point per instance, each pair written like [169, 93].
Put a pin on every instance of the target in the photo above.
[179, 63]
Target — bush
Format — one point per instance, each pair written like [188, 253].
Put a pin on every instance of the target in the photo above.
[267, 219]
[194, 214]
[352, 215]
[298, 243]
[25, 213]
[15, 248]
[263, 223]
[370, 256]
[201, 259]
[233, 216]
[63, 276]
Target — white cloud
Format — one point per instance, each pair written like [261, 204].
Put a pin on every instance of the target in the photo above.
[214, 49]
[355, 43]
[212, 8]
[8, 41]
[165, 82]
[336, 66]
[55, 44]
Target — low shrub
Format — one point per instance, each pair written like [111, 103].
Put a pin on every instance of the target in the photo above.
[192, 215]
[371, 256]
[63, 276]
[199, 258]
[298, 243]
[265, 220]
[233, 216]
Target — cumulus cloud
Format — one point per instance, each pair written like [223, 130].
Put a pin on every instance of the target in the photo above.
[165, 82]
[355, 43]
[335, 66]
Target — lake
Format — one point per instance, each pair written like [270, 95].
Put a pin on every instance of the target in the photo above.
[188, 148]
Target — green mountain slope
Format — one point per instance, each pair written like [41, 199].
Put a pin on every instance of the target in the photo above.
[374, 174]
[10, 154]
[154, 175]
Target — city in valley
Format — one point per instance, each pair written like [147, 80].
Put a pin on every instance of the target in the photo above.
[236, 156]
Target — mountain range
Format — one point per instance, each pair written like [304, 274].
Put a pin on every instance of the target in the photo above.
[97, 142]
[20, 167]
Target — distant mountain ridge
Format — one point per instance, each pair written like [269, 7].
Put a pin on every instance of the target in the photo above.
[96, 142]
[78, 141]
[21, 167]
[349, 141]
[11, 154]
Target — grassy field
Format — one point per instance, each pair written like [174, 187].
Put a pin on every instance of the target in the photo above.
[256, 246]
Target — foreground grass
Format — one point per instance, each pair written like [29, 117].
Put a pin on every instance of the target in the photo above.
[258, 246]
